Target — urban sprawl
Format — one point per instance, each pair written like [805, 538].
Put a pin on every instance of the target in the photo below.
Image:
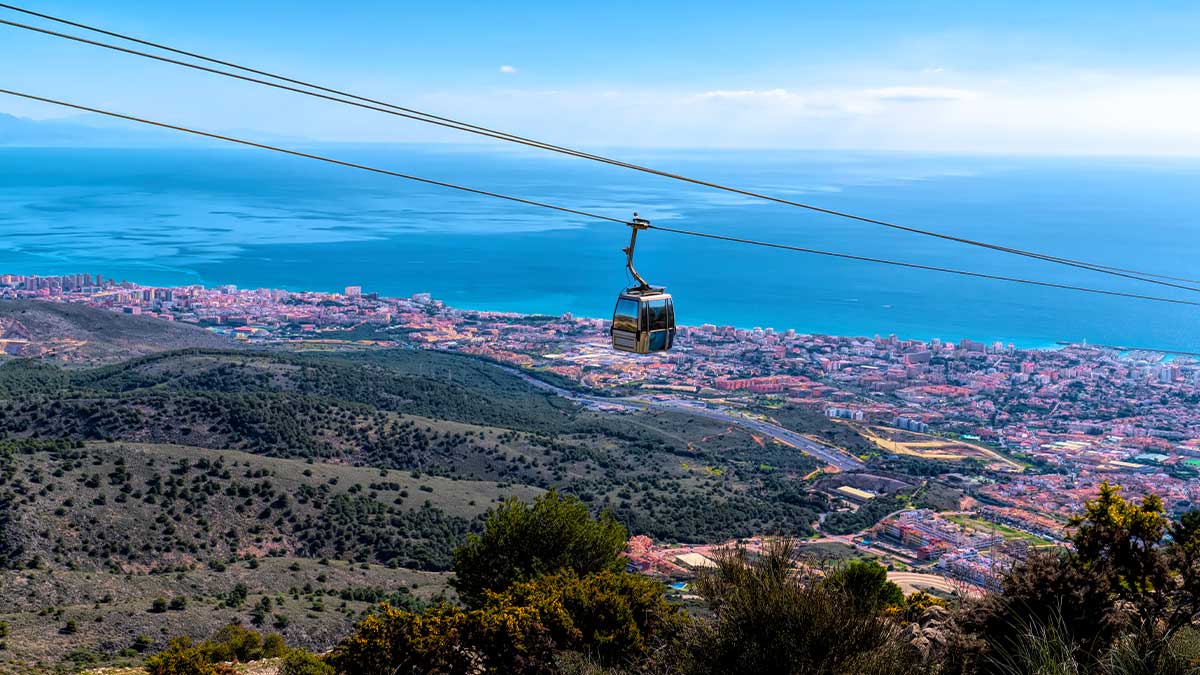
[1077, 415]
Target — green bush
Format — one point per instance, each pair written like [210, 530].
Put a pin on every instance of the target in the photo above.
[1051, 649]
[396, 642]
[234, 643]
[1118, 602]
[866, 585]
[771, 618]
[523, 541]
[615, 617]
[273, 646]
[301, 662]
[180, 658]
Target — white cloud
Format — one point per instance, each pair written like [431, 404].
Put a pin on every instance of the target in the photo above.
[919, 94]
[1043, 111]
[508, 70]
[779, 94]
[826, 103]
[847, 96]
[1074, 113]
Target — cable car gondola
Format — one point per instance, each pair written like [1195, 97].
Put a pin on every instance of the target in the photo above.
[644, 319]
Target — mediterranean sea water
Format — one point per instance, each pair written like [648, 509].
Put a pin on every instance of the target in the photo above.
[244, 217]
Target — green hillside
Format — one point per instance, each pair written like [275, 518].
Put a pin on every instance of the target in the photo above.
[669, 476]
[102, 530]
[126, 507]
[186, 473]
[115, 618]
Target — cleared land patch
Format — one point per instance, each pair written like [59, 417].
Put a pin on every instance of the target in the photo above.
[925, 446]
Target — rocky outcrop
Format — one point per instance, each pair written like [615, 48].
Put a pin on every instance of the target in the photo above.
[930, 635]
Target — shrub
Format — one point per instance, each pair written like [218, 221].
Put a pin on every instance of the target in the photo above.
[231, 643]
[769, 618]
[1120, 539]
[866, 585]
[180, 658]
[396, 642]
[301, 662]
[522, 541]
[1120, 598]
[1045, 649]
[81, 657]
[236, 596]
[273, 646]
[1047, 591]
[234, 643]
[1050, 649]
[615, 616]
[917, 602]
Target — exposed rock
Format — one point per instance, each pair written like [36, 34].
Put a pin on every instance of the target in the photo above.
[930, 635]
[915, 638]
[934, 614]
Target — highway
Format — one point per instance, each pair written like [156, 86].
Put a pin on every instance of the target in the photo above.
[842, 460]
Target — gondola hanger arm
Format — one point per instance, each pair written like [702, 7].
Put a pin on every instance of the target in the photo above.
[635, 225]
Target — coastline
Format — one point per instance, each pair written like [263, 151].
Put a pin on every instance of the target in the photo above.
[1038, 345]
[166, 219]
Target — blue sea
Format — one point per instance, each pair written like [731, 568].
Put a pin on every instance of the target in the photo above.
[244, 217]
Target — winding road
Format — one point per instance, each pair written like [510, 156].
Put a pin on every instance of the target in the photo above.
[841, 459]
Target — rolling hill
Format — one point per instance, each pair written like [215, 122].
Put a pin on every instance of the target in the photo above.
[223, 476]
[80, 334]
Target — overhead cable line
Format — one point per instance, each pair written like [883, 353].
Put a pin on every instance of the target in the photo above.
[580, 212]
[306, 155]
[429, 118]
[917, 266]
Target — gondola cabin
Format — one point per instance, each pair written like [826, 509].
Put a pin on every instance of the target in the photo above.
[643, 321]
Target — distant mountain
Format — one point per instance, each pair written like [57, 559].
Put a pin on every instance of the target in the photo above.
[105, 132]
[76, 333]
[21, 131]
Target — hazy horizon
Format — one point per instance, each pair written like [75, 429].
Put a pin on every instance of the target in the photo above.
[105, 132]
[934, 77]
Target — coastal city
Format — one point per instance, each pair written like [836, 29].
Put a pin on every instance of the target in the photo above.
[1030, 434]
[552, 338]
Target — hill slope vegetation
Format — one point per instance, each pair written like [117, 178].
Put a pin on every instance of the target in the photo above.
[186, 473]
[77, 333]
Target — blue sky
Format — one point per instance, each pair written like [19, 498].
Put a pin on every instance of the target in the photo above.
[1060, 77]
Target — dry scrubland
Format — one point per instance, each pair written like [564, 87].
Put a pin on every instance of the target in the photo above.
[213, 479]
